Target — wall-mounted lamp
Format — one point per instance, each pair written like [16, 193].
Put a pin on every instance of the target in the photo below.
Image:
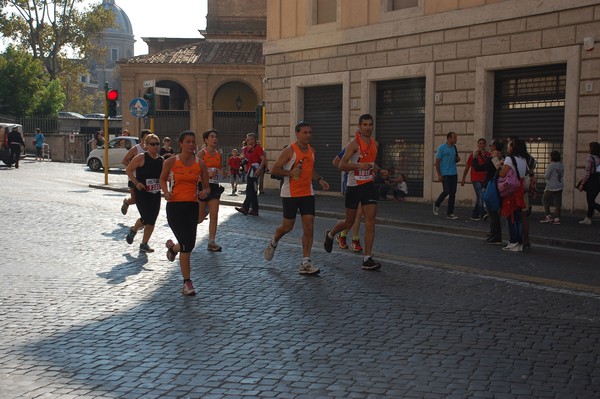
[238, 103]
[588, 43]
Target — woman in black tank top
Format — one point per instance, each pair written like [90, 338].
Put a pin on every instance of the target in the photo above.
[144, 171]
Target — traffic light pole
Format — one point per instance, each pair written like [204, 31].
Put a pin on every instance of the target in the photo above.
[264, 121]
[150, 97]
[105, 134]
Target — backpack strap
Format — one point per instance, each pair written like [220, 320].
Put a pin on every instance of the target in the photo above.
[514, 161]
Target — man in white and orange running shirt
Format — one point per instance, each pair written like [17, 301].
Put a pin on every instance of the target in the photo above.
[296, 164]
[359, 161]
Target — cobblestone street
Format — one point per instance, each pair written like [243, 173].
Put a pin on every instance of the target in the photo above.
[85, 315]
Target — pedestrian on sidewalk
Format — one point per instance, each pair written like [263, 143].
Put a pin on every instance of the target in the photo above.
[15, 142]
[401, 189]
[261, 177]
[491, 166]
[212, 159]
[243, 165]
[477, 178]
[296, 164]
[359, 161]
[446, 158]
[591, 182]
[529, 193]
[554, 188]
[514, 203]
[182, 203]
[234, 162]
[144, 172]
[383, 184]
[257, 165]
[39, 145]
[139, 148]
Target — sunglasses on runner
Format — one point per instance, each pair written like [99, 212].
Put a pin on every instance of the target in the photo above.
[154, 144]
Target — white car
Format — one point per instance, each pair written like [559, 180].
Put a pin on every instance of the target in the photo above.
[70, 115]
[94, 116]
[117, 149]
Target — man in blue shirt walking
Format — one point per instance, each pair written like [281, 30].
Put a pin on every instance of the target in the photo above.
[446, 159]
[39, 145]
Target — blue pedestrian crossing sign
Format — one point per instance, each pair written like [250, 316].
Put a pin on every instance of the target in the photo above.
[138, 107]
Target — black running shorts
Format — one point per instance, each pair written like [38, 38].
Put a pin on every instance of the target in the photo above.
[364, 194]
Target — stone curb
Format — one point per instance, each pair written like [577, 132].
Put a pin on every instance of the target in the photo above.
[545, 241]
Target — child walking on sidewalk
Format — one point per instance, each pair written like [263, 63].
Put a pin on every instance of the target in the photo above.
[554, 188]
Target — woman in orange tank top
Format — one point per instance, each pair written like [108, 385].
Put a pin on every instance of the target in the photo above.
[182, 202]
[212, 158]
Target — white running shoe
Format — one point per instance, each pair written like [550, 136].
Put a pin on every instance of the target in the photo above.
[270, 251]
[308, 269]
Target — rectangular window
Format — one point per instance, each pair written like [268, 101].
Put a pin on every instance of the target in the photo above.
[403, 4]
[114, 54]
[393, 10]
[324, 11]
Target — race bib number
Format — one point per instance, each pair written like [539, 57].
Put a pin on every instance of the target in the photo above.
[363, 175]
[213, 175]
[153, 186]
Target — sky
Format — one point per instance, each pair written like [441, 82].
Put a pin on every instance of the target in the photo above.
[159, 18]
[163, 18]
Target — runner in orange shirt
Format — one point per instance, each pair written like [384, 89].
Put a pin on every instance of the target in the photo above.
[359, 161]
[212, 158]
[296, 164]
[182, 203]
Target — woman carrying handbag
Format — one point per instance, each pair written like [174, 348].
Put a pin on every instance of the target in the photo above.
[591, 182]
[513, 202]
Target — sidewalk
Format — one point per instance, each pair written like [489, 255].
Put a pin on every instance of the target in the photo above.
[569, 234]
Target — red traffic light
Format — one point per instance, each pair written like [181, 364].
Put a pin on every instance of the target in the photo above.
[112, 95]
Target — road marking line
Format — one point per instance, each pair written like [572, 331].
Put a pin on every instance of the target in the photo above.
[513, 278]
[552, 285]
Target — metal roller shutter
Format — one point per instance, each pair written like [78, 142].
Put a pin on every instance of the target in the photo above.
[530, 103]
[400, 129]
[323, 109]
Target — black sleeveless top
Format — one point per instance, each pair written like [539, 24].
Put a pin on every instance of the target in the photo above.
[149, 174]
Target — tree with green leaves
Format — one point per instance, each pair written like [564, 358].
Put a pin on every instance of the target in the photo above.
[51, 30]
[25, 87]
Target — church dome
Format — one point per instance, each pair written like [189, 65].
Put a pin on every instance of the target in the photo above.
[121, 19]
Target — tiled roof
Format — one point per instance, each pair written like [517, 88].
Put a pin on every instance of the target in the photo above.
[207, 52]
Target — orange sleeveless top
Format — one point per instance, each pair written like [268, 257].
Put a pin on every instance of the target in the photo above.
[366, 153]
[213, 164]
[185, 181]
[302, 186]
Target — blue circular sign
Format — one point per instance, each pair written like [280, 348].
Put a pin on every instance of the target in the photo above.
[138, 107]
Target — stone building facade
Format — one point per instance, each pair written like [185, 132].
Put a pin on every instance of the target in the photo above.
[119, 42]
[481, 68]
[214, 82]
